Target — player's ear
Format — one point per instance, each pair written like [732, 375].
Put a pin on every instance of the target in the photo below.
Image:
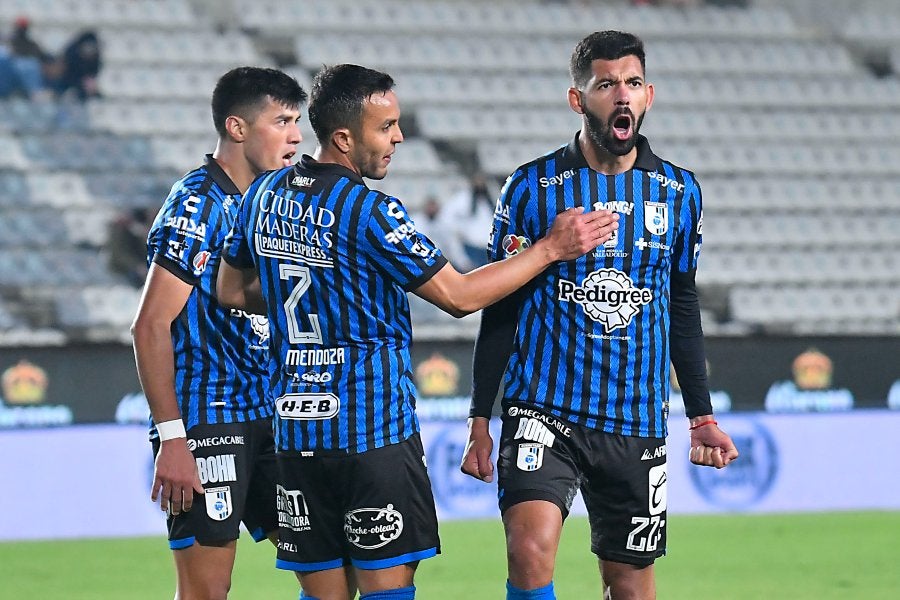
[236, 128]
[343, 140]
[650, 93]
[575, 100]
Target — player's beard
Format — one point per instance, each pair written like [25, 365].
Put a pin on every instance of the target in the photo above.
[601, 133]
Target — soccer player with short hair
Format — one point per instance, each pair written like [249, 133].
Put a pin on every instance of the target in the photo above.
[204, 367]
[331, 261]
[584, 350]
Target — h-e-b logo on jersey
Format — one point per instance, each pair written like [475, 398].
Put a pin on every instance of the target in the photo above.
[307, 406]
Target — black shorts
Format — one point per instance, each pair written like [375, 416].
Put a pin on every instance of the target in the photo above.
[373, 510]
[236, 464]
[622, 480]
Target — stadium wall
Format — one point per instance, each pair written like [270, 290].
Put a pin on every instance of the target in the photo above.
[97, 383]
[94, 480]
[75, 461]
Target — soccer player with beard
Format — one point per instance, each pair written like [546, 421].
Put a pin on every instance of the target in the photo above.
[584, 349]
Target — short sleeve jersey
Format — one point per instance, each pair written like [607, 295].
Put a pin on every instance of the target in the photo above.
[591, 344]
[221, 355]
[335, 261]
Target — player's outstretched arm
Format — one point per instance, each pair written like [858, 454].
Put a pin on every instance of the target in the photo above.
[175, 476]
[573, 234]
[710, 446]
[477, 456]
[239, 288]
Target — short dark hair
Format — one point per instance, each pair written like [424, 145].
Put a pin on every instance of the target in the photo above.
[603, 45]
[243, 92]
[338, 95]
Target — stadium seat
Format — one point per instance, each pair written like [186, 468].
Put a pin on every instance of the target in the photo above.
[795, 143]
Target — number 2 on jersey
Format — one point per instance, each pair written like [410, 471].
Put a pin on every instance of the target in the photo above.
[295, 334]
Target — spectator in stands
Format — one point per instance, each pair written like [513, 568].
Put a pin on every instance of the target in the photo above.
[29, 59]
[470, 213]
[10, 82]
[432, 220]
[126, 245]
[204, 368]
[79, 65]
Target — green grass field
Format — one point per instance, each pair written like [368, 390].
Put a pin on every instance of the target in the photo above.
[797, 557]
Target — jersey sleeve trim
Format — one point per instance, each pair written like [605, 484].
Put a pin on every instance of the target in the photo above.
[429, 272]
[175, 269]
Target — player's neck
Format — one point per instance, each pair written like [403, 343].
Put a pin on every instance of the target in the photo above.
[232, 160]
[333, 155]
[602, 160]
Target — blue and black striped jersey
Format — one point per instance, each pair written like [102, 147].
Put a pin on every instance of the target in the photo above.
[221, 355]
[335, 260]
[592, 338]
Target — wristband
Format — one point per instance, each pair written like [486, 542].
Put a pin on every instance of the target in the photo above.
[169, 430]
[703, 423]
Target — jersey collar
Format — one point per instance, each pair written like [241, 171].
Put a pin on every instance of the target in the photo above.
[328, 168]
[573, 158]
[220, 177]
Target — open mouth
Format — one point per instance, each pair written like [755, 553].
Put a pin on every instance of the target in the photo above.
[286, 159]
[622, 126]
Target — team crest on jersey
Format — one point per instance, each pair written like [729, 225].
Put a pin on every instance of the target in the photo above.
[531, 457]
[608, 296]
[218, 503]
[200, 261]
[656, 217]
[514, 244]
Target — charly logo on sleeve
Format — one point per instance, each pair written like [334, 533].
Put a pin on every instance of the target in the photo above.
[607, 296]
[370, 528]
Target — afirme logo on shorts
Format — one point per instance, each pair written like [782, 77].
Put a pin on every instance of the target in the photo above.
[608, 296]
[307, 406]
[216, 469]
[370, 528]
